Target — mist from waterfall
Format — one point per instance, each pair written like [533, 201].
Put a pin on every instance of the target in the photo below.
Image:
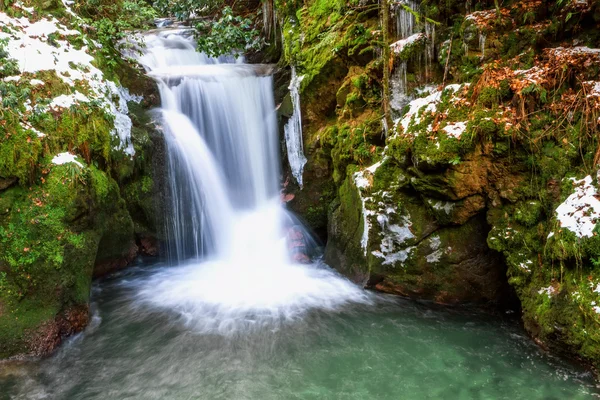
[234, 242]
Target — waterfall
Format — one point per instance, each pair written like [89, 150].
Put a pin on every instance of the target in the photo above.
[482, 39]
[407, 29]
[293, 131]
[406, 24]
[243, 260]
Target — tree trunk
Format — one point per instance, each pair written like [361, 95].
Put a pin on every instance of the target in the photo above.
[385, 16]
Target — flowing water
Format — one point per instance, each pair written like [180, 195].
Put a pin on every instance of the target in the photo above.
[234, 315]
[388, 349]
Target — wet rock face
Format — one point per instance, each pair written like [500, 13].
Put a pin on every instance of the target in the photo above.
[51, 334]
[478, 182]
[391, 241]
[449, 266]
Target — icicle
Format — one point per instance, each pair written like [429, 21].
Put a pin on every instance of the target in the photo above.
[430, 52]
[293, 131]
[482, 38]
[405, 20]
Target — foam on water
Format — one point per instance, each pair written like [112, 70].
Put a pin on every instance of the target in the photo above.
[218, 297]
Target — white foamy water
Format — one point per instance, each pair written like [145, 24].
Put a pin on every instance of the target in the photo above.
[234, 242]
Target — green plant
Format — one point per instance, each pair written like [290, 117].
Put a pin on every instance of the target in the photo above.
[227, 35]
[455, 160]
[112, 22]
[183, 9]
[8, 66]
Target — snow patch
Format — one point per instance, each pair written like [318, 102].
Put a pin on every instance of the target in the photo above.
[549, 291]
[439, 205]
[581, 210]
[29, 45]
[455, 129]
[400, 45]
[435, 243]
[420, 106]
[67, 100]
[592, 88]
[64, 158]
[525, 265]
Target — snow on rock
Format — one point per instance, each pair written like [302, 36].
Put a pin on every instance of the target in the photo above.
[592, 89]
[395, 231]
[437, 253]
[455, 129]
[363, 180]
[427, 104]
[67, 100]
[439, 205]
[581, 210]
[29, 45]
[64, 158]
[577, 50]
[525, 265]
[549, 291]
[393, 236]
[32, 129]
[534, 75]
[399, 46]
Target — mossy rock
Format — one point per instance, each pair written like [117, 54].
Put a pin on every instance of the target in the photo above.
[48, 245]
[451, 265]
[346, 225]
[456, 212]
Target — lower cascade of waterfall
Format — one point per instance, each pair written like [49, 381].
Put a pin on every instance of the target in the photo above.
[242, 257]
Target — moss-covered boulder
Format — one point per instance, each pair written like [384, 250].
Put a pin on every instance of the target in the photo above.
[77, 162]
[382, 235]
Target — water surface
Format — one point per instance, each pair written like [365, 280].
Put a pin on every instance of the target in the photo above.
[388, 348]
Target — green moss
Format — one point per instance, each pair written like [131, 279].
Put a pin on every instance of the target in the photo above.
[324, 38]
[48, 244]
[345, 232]
[389, 176]
[528, 213]
[352, 146]
[20, 150]
[85, 127]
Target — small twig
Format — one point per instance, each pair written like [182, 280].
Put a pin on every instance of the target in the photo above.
[447, 61]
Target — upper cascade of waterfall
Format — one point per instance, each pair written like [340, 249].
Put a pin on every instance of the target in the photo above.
[293, 131]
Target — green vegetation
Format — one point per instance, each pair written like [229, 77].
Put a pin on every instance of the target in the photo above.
[55, 218]
[112, 22]
[228, 34]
